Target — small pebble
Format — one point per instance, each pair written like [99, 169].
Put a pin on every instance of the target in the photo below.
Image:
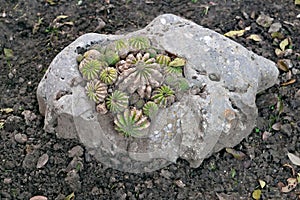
[29, 116]
[38, 198]
[76, 151]
[42, 161]
[179, 183]
[10, 75]
[21, 80]
[7, 181]
[21, 138]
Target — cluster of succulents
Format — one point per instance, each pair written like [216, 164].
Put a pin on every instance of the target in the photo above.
[131, 80]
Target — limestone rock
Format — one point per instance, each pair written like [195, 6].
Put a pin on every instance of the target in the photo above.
[219, 111]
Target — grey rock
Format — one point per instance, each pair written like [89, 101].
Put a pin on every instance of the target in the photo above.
[222, 115]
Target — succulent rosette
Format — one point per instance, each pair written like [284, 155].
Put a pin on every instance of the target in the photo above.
[131, 122]
[96, 91]
[117, 101]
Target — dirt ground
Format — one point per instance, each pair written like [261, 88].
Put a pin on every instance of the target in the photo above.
[33, 32]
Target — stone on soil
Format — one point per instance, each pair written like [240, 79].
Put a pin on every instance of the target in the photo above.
[222, 115]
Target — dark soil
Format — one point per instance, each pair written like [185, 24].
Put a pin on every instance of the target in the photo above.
[35, 44]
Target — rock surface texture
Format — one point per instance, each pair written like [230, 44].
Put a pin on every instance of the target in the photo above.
[218, 111]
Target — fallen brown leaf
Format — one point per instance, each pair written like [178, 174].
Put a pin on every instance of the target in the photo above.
[236, 154]
[291, 167]
[282, 64]
[292, 183]
[276, 126]
[294, 159]
[289, 82]
[235, 33]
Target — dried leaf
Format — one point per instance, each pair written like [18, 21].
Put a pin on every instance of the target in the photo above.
[289, 82]
[1, 125]
[69, 23]
[277, 35]
[236, 154]
[292, 183]
[282, 65]
[294, 159]
[8, 53]
[266, 135]
[51, 2]
[235, 33]
[264, 20]
[256, 194]
[61, 17]
[276, 126]
[291, 167]
[284, 43]
[70, 196]
[6, 110]
[262, 183]
[42, 161]
[254, 37]
[278, 52]
[279, 106]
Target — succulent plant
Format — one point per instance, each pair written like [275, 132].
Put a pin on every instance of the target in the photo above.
[117, 101]
[92, 54]
[163, 59]
[96, 91]
[108, 75]
[131, 122]
[120, 45]
[150, 109]
[142, 73]
[163, 96]
[90, 68]
[139, 43]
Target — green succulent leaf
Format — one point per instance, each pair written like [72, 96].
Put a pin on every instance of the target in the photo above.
[109, 75]
[117, 101]
[139, 42]
[96, 91]
[177, 62]
[131, 122]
